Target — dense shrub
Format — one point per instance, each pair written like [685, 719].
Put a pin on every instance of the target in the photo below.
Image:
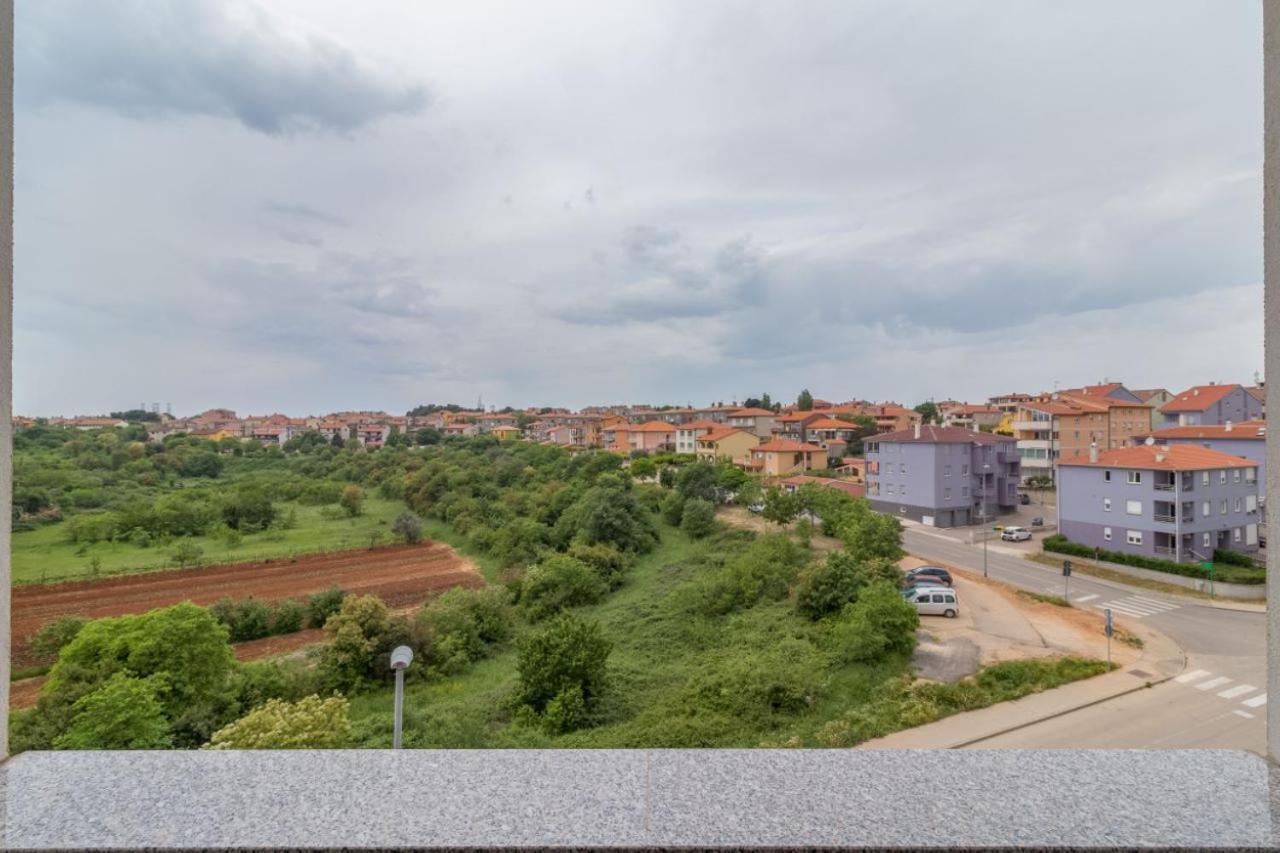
[408, 527]
[698, 481]
[461, 625]
[124, 713]
[880, 622]
[309, 723]
[246, 619]
[764, 571]
[698, 518]
[1253, 574]
[609, 564]
[352, 500]
[562, 671]
[1234, 558]
[288, 616]
[756, 686]
[558, 582]
[52, 636]
[672, 509]
[360, 638]
[322, 605]
[248, 510]
[519, 542]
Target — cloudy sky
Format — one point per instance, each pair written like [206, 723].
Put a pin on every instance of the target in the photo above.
[310, 205]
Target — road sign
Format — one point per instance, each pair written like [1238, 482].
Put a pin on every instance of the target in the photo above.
[1111, 628]
[1066, 568]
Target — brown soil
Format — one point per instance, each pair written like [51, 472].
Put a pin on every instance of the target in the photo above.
[400, 575]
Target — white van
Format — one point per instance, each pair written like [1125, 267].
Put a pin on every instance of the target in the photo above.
[935, 601]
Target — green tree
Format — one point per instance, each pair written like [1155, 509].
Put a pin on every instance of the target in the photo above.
[187, 553]
[698, 518]
[309, 723]
[827, 587]
[352, 500]
[780, 507]
[672, 508]
[805, 401]
[698, 481]
[879, 622]
[460, 626]
[52, 636]
[248, 510]
[643, 467]
[563, 671]
[558, 582]
[322, 605]
[360, 637]
[123, 713]
[928, 412]
[408, 526]
[870, 535]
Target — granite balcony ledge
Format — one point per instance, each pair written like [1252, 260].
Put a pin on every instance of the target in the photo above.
[638, 799]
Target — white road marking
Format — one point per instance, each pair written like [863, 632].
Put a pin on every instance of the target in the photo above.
[1135, 607]
[1087, 597]
[1120, 608]
[1213, 682]
[1154, 602]
[1256, 701]
[1238, 690]
[1191, 676]
[1244, 714]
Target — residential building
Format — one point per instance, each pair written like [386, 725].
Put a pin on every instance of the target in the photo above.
[505, 432]
[1153, 397]
[687, 435]
[1211, 404]
[891, 417]
[968, 416]
[791, 426]
[89, 422]
[1069, 423]
[726, 443]
[1178, 502]
[759, 422]
[1008, 404]
[651, 436]
[853, 490]
[1246, 440]
[942, 476]
[269, 435]
[375, 435]
[832, 435]
[781, 456]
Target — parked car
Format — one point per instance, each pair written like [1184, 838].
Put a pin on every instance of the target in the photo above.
[757, 507]
[1037, 522]
[930, 571]
[921, 582]
[1024, 498]
[1015, 534]
[936, 602]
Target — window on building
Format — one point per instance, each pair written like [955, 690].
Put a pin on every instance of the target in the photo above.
[1106, 533]
[903, 466]
[1239, 505]
[964, 491]
[964, 470]
[946, 470]
[1222, 476]
[1207, 540]
[946, 494]
[1251, 475]
[1251, 503]
[902, 490]
[1205, 509]
[1235, 536]
[1224, 506]
[1235, 476]
[1133, 537]
[1135, 478]
[1106, 476]
[1106, 504]
[1133, 507]
[1204, 478]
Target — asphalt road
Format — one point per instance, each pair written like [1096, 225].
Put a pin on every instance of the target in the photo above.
[1218, 701]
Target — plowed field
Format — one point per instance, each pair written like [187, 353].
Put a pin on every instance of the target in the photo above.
[401, 575]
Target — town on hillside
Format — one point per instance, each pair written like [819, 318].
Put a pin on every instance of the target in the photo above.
[1141, 472]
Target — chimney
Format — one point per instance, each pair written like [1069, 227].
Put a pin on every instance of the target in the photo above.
[1093, 451]
[917, 430]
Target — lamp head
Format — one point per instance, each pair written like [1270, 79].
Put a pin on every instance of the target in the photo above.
[401, 657]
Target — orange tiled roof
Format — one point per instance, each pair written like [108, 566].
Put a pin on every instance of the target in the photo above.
[1244, 429]
[1198, 398]
[1178, 457]
[751, 413]
[654, 426]
[721, 432]
[786, 445]
[692, 425]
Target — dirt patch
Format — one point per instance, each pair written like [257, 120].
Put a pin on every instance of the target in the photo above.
[401, 575]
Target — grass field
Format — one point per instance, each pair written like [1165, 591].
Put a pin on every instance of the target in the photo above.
[683, 680]
[44, 555]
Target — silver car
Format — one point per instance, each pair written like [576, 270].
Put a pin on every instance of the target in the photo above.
[1015, 534]
[935, 601]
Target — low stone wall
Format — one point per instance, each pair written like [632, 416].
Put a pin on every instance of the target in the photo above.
[1250, 592]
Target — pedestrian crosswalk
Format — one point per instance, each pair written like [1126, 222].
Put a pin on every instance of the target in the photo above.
[1137, 606]
[1246, 694]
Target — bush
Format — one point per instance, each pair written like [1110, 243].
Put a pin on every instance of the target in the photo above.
[609, 564]
[755, 686]
[1236, 573]
[565, 664]
[288, 616]
[830, 585]
[408, 527]
[1234, 558]
[52, 636]
[698, 518]
[519, 542]
[880, 622]
[247, 619]
[123, 713]
[187, 553]
[698, 481]
[322, 605]
[309, 723]
[558, 582]
[461, 625]
[360, 638]
[764, 571]
[672, 508]
[352, 500]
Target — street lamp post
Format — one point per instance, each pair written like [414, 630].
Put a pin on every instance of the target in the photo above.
[985, 468]
[400, 660]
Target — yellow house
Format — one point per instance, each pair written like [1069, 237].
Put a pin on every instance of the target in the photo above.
[504, 432]
[725, 443]
[782, 456]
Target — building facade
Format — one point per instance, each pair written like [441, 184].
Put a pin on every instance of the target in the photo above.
[1175, 502]
[942, 476]
[1211, 404]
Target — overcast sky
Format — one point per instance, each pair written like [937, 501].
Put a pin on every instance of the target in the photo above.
[309, 206]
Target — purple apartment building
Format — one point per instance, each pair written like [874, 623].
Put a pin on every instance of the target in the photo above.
[1210, 404]
[1176, 502]
[942, 476]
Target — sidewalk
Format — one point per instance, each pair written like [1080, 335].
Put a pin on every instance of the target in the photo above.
[1161, 660]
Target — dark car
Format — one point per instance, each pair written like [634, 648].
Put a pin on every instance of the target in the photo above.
[1024, 498]
[937, 572]
[1037, 522]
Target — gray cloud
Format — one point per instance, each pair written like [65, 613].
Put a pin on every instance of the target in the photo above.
[303, 213]
[147, 58]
